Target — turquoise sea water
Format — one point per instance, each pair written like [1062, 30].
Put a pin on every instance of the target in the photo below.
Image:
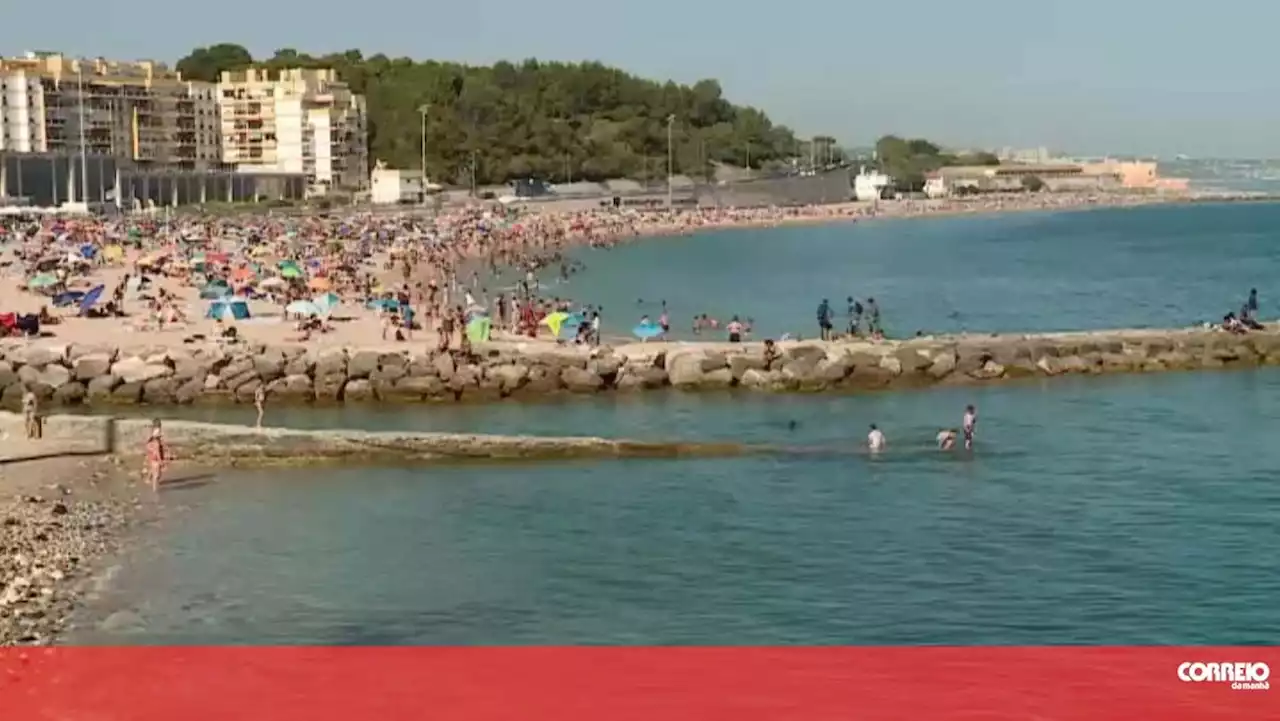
[1123, 510]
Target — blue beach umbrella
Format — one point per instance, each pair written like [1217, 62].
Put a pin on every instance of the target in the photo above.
[384, 304]
[214, 290]
[645, 331]
[91, 298]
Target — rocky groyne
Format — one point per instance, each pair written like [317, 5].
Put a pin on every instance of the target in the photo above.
[70, 374]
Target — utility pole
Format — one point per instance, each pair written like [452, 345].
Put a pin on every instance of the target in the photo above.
[671, 121]
[84, 154]
[424, 109]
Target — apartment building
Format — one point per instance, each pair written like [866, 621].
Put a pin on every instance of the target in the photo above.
[22, 127]
[137, 110]
[296, 120]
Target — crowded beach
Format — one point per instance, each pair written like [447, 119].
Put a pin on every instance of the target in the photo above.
[448, 280]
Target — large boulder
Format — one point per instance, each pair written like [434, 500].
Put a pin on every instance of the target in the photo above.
[100, 388]
[740, 364]
[358, 390]
[91, 365]
[331, 362]
[684, 369]
[8, 376]
[39, 355]
[296, 387]
[270, 365]
[55, 376]
[414, 388]
[70, 394]
[509, 377]
[362, 364]
[642, 378]
[134, 370]
[580, 380]
[160, 391]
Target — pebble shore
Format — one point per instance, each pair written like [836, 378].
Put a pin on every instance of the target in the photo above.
[59, 518]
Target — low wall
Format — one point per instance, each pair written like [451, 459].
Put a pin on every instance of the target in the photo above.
[74, 374]
[231, 445]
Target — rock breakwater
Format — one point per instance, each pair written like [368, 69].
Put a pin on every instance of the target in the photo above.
[71, 374]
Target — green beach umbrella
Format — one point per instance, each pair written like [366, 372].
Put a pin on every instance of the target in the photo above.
[478, 329]
[43, 280]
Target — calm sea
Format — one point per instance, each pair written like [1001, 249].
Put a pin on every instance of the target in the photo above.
[1124, 510]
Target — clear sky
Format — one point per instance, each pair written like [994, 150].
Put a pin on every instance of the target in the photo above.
[1086, 76]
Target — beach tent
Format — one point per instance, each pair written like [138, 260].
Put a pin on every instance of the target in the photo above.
[228, 309]
[215, 289]
[479, 329]
[384, 304]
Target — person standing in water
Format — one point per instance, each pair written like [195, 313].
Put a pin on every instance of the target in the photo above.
[968, 425]
[875, 439]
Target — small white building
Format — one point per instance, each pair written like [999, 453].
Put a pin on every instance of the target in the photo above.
[935, 186]
[869, 186]
[388, 186]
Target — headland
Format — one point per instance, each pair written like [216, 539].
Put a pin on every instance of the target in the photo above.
[105, 376]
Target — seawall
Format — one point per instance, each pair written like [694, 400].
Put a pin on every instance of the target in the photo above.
[220, 444]
[72, 374]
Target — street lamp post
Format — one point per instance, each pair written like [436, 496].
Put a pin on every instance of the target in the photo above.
[424, 109]
[671, 120]
[84, 155]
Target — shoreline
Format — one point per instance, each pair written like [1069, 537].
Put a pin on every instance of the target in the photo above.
[63, 518]
[158, 376]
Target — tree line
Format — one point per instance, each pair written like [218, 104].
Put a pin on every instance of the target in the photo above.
[550, 120]
[909, 160]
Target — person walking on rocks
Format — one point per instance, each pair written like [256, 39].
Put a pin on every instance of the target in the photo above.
[824, 319]
[259, 403]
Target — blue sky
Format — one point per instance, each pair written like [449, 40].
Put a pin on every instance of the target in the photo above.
[1121, 76]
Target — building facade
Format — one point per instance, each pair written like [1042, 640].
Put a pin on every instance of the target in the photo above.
[295, 120]
[137, 110]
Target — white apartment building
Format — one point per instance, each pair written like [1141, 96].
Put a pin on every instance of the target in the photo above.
[22, 126]
[296, 120]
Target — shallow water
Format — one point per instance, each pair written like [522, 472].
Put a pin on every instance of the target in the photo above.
[1136, 510]
[1110, 268]
[1124, 510]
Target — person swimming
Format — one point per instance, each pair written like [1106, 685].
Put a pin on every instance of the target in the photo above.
[946, 439]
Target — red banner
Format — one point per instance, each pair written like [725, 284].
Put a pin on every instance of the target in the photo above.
[649, 684]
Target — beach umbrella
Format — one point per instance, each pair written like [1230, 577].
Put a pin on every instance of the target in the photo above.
[91, 298]
[555, 321]
[304, 308]
[273, 283]
[645, 331]
[242, 275]
[68, 298]
[290, 272]
[384, 304]
[319, 284]
[42, 280]
[479, 329]
[327, 301]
